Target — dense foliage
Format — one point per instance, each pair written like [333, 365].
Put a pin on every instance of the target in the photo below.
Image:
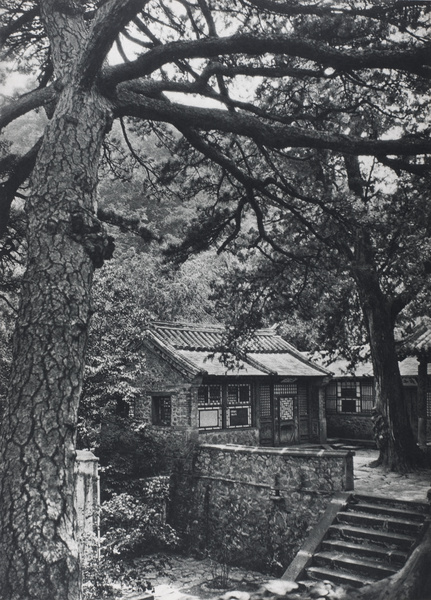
[133, 525]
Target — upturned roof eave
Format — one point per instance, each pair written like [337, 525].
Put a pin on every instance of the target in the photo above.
[417, 343]
[183, 363]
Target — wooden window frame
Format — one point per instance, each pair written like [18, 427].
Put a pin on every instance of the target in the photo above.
[157, 409]
[223, 407]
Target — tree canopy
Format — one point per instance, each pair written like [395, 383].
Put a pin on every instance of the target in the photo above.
[248, 78]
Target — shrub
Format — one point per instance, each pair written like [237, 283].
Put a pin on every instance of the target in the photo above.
[133, 526]
[127, 453]
[109, 579]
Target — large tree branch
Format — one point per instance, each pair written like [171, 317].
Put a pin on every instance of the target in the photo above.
[108, 22]
[17, 169]
[157, 88]
[383, 10]
[215, 68]
[271, 135]
[25, 103]
[417, 60]
[79, 45]
[249, 182]
[423, 170]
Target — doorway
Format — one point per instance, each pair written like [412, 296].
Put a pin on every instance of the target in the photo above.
[278, 415]
[286, 420]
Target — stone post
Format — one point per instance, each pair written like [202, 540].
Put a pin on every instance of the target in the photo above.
[87, 503]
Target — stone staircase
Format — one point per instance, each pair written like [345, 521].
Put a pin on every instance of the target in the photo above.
[361, 539]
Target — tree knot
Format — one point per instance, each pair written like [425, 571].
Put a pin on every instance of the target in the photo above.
[87, 230]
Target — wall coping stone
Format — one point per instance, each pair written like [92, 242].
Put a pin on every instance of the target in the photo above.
[285, 451]
[85, 456]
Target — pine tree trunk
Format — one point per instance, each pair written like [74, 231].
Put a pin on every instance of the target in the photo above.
[38, 550]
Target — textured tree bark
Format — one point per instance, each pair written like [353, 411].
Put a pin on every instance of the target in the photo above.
[39, 554]
[398, 449]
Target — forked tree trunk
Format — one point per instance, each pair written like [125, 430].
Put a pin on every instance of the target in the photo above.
[38, 550]
[398, 448]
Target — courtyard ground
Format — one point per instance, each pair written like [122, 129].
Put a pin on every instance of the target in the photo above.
[182, 578]
[412, 486]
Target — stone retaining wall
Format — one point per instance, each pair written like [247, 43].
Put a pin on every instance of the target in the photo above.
[254, 506]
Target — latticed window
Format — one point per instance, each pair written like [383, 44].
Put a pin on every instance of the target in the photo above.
[238, 410]
[331, 398]
[286, 408]
[367, 396]
[265, 401]
[349, 396]
[209, 394]
[234, 412]
[210, 407]
[286, 389]
[162, 410]
[238, 394]
[303, 403]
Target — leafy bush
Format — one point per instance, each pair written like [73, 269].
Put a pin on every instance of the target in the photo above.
[133, 526]
[108, 579]
[127, 453]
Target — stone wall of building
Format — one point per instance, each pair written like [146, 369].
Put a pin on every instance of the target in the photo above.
[177, 443]
[354, 427]
[163, 378]
[254, 506]
[180, 403]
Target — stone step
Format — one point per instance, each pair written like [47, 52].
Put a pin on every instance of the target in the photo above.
[367, 539]
[416, 506]
[322, 573]
[367, 550]
[390, 511]
[384, 523]
[398, 541]
[352, 564]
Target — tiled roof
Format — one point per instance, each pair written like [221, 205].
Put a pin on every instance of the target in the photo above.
[340, 367]
[199, 345]
[418, 342]
[213, 365]
[286, 364]
[184, 336]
